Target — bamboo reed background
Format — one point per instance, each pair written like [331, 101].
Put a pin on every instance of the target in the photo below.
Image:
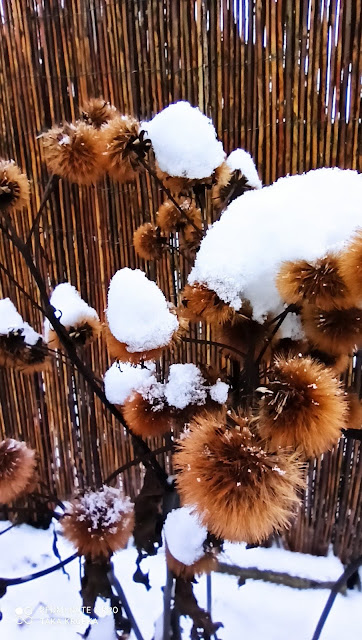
[279, 78]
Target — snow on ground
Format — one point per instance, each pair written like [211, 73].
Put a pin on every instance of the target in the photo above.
[256, 611]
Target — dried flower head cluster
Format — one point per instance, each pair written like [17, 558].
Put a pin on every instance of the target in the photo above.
[148, 242]
[14, 187]
[200, 303]
[351, 266]
[337, 331]
[124, 145]
[75, 152]
[303, 407]
[17, 353]
[97, 112]
[319, 283]
[148, 414]
[240, 491]
[17, 468]
[99, 522]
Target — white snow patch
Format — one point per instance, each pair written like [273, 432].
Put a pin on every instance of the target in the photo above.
[184, 535]
[184, 141]
[10, 319]
[298, 217]
[102, 509]
[137, 312]
[185, 386]
[122, 378]
[70, 309]
[219, 391]
[241, 160]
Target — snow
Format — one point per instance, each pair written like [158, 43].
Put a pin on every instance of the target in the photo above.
[241, 160]
[122, 378]
[184, 141]
[219, 391]
[71, 310]
[287, 614]
[185, 386]
[185, 536]
[137, 312]
[10, 319]
[298, 217]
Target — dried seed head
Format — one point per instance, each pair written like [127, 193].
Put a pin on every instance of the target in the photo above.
[75, 152]
[125, 145]
[240, 491]
[99, 522]
[351, 266]
[319, 283]
[147, 417]
[14, 187]
[17, 468]
[97, 112]
[83, 333]
[206, 564]
[337, 331]
[148, 242]
[17, 353]
[229, 185]
[354, 411]
[202, 304]
[304, 407]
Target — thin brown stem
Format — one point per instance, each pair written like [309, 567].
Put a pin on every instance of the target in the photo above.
[53, 180]
[214, 344]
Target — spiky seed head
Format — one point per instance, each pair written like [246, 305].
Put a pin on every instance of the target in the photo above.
[148, 242]
[239, 333]
[83, 333]
[303, 408]
[99, 523]
[192, 231]
[337, 331]
[319, 283]
[16, 353]
[122, 146]
[75, 152]
[337, 363]
[169, 217]
[201, 304]
[229, 185]
[240, 491]
[351, 267]
[119, 351]
[147, 418]
[17, 469]
[206, 564]
[14, 187]
[97, 112]
[354, 410]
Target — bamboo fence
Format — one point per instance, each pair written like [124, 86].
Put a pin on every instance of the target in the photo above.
[279, 78]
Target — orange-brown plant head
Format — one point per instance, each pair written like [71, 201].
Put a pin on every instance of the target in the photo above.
[319, 283]
[192, 230]
[354, 411]
[75, 152]
[303, 408]
[97, 112]
[147, 418]
[148, 242]
[86, 331]
[17, 469]
[99, 522]
[351, 266]
[123, 144]
[119, 351]
[240, 491]
[202, 304]
[206, 564]
[14, 187]
[337, 331]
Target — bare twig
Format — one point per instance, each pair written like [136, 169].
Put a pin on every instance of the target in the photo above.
[53, 180]
[118, 589]
[11, 582]
[214, 344]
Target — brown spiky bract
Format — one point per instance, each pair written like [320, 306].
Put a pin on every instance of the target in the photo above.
[304, 407]
[97, 112]
[351, 266]
[354, 411]
[148, 242]
[86, 331]
[239, 334]
[121, 134]
[17, 468]
[192, 233]
[147, 419]
[75, 152]
[229, 185]
[201, 304]
[14, 187]
[240, 492]
[319, 283]
[206, 564]
[15, 353]
[337, 331]
[119, 351]
[99, 522]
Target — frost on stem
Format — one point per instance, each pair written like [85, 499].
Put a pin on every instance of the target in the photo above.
[79, 319]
